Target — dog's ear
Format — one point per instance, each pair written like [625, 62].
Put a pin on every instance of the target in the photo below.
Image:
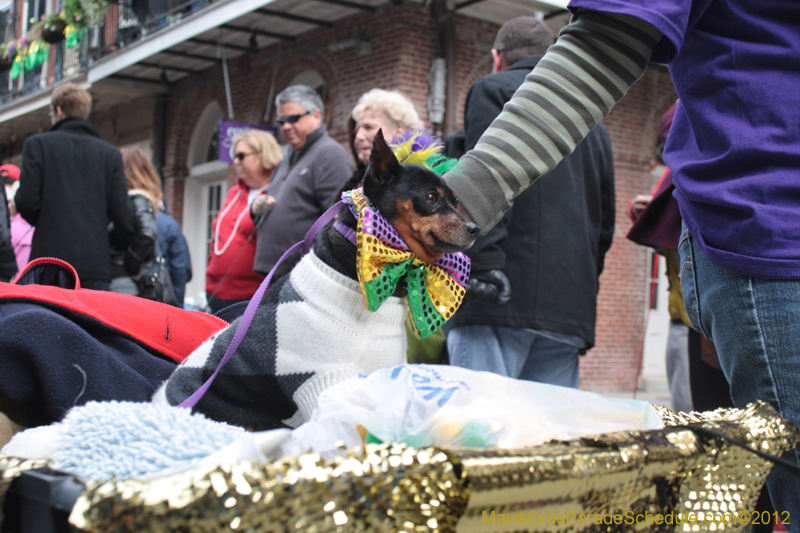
[383, 165]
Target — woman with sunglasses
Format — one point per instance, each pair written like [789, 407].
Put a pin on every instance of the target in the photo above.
[230, 277]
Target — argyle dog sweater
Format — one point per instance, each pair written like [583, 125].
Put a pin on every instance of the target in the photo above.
[311, 331]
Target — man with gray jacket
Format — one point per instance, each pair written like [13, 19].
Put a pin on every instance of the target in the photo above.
[305, 183]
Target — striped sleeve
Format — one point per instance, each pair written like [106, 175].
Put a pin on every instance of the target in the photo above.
[594, 62]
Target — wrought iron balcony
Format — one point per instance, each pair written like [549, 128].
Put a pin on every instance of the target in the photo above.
[126, 22]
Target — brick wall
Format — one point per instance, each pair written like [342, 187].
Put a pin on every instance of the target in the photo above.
[633, 126]
[402, 42]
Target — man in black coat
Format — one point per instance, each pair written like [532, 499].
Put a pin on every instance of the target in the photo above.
[71, 185]
[532, 300]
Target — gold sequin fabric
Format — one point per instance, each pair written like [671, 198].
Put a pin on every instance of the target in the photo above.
[629, 481]
[10, 469]
[383, 489]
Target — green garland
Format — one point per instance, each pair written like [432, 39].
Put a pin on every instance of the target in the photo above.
[29, 57]
[36, 53]
[79, 16]
[74, 35]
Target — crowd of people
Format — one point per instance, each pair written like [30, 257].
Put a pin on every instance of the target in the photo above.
[523, 316]
[279, 193]
[733, 248]
[82, 200]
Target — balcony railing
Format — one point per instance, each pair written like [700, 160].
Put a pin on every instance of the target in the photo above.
[126, 22]
[62, 62]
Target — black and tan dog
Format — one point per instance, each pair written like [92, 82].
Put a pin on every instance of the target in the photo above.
[312, 329]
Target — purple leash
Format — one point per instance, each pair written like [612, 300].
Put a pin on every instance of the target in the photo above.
[250, 312]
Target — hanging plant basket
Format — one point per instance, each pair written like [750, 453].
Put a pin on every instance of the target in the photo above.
[54, 33]
[86, 13]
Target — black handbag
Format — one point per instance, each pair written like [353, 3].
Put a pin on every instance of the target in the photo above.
[154, 282]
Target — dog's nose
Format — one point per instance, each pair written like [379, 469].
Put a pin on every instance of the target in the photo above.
[472, 229]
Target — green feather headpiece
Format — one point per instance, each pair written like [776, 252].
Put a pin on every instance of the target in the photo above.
[422, 148]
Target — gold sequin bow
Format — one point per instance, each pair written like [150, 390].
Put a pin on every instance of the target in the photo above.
[433, 291]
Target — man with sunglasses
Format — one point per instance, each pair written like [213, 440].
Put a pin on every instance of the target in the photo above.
[306, 182]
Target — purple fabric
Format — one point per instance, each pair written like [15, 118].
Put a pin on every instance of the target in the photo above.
[347, 232]
[659, 225]
[423, 141]
[734, 146]
[665, 123]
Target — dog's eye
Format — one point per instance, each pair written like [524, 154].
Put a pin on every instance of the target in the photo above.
[432, 198]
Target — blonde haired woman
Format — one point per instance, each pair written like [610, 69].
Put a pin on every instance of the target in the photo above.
[230, 277]
[377, 109]
[144, 193]
[394, 114]
[380, 109]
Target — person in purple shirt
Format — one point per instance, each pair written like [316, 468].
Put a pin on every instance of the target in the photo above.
[734, 150]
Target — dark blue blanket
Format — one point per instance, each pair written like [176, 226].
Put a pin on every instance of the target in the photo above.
[50, 362]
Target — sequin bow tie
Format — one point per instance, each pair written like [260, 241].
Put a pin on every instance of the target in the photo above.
[433, 291]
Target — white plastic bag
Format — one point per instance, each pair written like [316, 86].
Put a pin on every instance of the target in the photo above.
[448, 406]
[419, 405]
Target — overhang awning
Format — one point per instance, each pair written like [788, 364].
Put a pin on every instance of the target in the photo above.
[236, 27]
[194, 39]
[212, 17]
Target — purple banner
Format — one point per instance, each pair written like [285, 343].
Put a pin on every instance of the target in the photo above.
[228, 131]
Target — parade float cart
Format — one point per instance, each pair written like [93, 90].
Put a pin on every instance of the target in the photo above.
[689, 476]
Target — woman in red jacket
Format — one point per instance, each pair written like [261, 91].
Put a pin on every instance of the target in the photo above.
[230, 277]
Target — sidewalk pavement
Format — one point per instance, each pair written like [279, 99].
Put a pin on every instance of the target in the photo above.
[653, 391]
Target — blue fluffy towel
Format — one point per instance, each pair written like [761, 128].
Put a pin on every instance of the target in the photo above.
[101, 440]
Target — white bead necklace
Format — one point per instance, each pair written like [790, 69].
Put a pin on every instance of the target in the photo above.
[235, 226]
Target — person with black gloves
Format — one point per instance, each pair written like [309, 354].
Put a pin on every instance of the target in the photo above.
[531, 304]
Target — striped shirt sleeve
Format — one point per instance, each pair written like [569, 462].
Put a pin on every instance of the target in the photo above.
[594, 62]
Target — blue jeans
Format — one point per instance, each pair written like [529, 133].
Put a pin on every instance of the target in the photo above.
[515, 353]
[755, 326]
[680, 390]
